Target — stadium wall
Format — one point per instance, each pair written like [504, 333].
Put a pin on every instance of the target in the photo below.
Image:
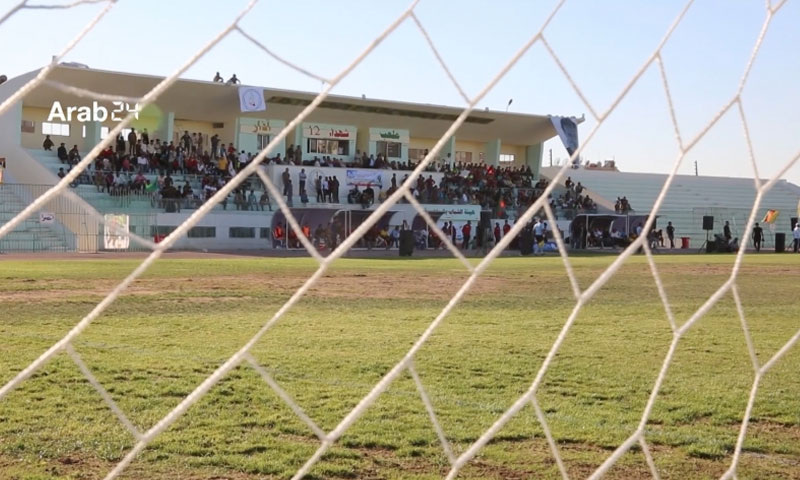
[71, 211]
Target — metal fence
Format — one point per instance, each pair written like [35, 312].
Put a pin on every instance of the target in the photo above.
[64, 224]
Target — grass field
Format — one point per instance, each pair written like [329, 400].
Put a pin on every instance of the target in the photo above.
[185, 317]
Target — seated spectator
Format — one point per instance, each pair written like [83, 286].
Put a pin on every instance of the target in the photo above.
[74, 156]
[47, 144]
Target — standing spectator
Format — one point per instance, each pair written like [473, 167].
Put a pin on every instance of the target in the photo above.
[671, 234]
[62, 153]
[47, 144]
[132, 141]
[796, 236]
[726, 232]
[215, 141]
[286, 178]
[758, 237]
[465, 231]
[497, 233]
[187, 141]
[318, 186]
[298, 155]
[302, 177]
[217, 78]
[145, 137]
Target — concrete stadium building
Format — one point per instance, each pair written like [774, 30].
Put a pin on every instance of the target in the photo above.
[339, 128]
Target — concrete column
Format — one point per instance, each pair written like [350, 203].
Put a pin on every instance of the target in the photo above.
[448, 151]
[92, 135]
[533, 158]
[166, 128]
[493, 152]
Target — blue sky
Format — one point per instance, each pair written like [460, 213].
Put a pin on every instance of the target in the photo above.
[602, 44]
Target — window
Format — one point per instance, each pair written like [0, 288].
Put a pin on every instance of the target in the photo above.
[202, 232]
[103, 132]
[264, 232]
[506, 157]
[390, 149]
[242, 232]
[417, 154]
[28, 126]
[263, 141]
[328, 147]
[57, 129]
[464, 157]
[161, 229]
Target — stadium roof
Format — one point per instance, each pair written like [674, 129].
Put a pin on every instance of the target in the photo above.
[214, 102]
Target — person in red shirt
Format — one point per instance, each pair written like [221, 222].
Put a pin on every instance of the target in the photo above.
[506, 228]
[466, 230]
[277, 236]
[496, 233]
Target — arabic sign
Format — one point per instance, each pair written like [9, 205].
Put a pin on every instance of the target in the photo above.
[335, 132]
[364, 177]
[116, 232]
[259, 128]
[47, 217]
[388, 135]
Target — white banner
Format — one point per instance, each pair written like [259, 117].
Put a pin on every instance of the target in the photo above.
[567, 129]
[47, 217]
[363, 178]
[115, 232]
[251, 99]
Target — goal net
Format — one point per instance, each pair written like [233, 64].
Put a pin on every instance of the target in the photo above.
[405, 364]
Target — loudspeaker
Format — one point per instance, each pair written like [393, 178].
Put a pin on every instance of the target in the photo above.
[708, 222]
[406, 243]
[794, 222]
[780, 242]
[525, 242]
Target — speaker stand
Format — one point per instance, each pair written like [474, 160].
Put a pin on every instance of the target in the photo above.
[705, 244]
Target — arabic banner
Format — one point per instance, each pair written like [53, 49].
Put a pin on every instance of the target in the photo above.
[333, 132]
[363, 178]
[388, 135]
[259, 128]
[116, 232]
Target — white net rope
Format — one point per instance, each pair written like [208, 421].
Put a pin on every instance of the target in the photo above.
[406, 363]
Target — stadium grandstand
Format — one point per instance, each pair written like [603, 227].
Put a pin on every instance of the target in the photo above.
[349, 155]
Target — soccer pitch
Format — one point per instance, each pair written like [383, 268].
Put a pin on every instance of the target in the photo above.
[185, 317]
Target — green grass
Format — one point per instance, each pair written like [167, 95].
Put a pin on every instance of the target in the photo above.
[185, 317]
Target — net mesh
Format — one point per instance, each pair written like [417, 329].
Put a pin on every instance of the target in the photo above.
[406, 363]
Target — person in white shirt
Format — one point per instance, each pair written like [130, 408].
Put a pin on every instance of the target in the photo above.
[796, 236]
[538, 237]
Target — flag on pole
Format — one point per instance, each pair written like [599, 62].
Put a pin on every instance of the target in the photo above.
[771, 216]
[567, 130]
[251, 99]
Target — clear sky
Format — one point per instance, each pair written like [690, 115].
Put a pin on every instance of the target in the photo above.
[601, 44]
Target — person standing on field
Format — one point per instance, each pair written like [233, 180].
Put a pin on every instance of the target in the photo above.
[758, 237]
[671, 234]
[796, 235]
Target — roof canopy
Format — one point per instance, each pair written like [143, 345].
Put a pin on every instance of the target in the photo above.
[215, 102]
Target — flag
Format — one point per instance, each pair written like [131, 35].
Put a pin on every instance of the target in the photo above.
[567, 130]
[771, 216]
[251, 99]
